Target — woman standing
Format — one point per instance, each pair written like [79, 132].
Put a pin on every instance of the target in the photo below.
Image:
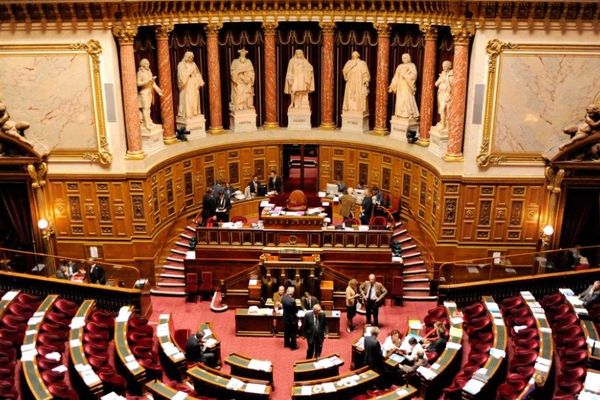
[351, 295]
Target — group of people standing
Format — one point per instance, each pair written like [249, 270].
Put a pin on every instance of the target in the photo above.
[372, 199]
[216, 203]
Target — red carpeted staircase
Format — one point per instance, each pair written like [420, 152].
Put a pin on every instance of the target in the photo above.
[170, 276]
[416, 282]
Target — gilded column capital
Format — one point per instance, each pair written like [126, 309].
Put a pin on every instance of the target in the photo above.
[213, 28]
[462, 34]
[430, 32]
[328, 28]
[270, 28]
[163, 30]
[383, 29]
[125, 34]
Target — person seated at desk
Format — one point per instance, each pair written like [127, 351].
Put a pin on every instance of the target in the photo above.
[275, 183]
[309, 301]
[63, 271]
[347, 202]
[97, 273]
[392, 343]
[590, 295]
[196, 351]
[435, 341]
[420, 360]
[411, 349]
[373, 353]
[223, 207]
[255, 188]
[80, 275]
[277, 296]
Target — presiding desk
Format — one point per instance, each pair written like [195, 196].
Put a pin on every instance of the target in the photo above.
[264, 323]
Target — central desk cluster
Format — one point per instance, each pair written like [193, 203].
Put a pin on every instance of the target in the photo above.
[267, 322]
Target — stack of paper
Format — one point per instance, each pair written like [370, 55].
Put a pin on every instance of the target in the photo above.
[8, 296]
[323, 363]
[34, 320]
[456, 320]
[453, 345]
[592, 382]
[328, 387]
[336, 360]
[210, 342]
[207, 333]
[112, 396]
[449, 304]
[566, 292]
[180, 396]
[481, 374]
[162, 330]
[426, 373]
[397, 358]
[473, 386]
[55, 355]
[497, 353]
[255, 388]
[60, 368]
[235, 384]
[306, 390]
[260, 365]
[77, 322]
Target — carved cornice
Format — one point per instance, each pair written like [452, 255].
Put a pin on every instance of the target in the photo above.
[461, 33]
[213, 28]
[328, 28]
[269, 28]
[163, 30]
[125, 34]
[430, 32]
[383, 30]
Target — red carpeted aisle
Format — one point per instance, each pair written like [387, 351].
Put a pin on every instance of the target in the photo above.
[188, 315]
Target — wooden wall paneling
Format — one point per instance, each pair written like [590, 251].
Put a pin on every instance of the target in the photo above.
[351, 168]
[500, 213]
[246, 167]
[531, 224]
[375, 169]
[338, 170]
[272, 154]
[141, 209]
[468, 212]
[60, 208]
[188, 182]
[325, 165]
[199, 181]
[90, 213]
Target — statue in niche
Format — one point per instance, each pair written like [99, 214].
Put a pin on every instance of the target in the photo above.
[15, 129]
[357, 77]
[589, 126]
[444, 85]
[404, 86]
[242, 83]
[146, 84]
[299, 81]
[189, 82]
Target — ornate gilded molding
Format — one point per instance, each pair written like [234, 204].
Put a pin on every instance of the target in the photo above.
[163, 30]
[554, 179]
[494, 48]
[213, 28]
[125, 34]
[461, 33]
[328, 28]
[383, 29]
[269, 28]
[37, 172]
[430, 32]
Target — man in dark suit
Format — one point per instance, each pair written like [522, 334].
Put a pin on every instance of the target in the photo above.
[97, 273]
[275, 183]
[308, 301]
[208, 206]
[373, 354]
[195, 350]
[367, 210]
[290, 324]
[223, 207]
[373, 293]
[314, 330]
[254, 185]
[590, 295]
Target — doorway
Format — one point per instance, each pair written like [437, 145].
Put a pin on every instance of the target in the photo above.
[301, 167]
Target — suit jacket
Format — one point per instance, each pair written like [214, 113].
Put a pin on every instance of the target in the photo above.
[289, 309]
[97, 274]
[373, 355]
[588, 296]
[380, 290]
[223, 203]
[193, 349]
[313, 301]
[311, 332]
[347, 205]
[208, 206]
[253, 187]
[277, 185]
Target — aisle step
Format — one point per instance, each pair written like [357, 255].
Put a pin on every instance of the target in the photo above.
[413, 263]
[415, 280]
[420, 298]
[399, 232]
[408, 246]
[186, 235]
[167, 291]
[183, 244]
[416, 289]
[176, 258]
[171, 275]
[414, 271]
[191, 228]
[170, 267]
[411, 254]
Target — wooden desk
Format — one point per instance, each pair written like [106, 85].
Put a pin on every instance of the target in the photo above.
[161, 391]
[414, 329]
[493, 365]
[442, 371]
[7, 299]
[306, 370]
[135, 373]
[173, 358]
[214, 383]
[206, 327]
[78, 360]
[331, 316]
[546, 340]
[296, 222]
[35, 384]
[242, 366]
[247, 324]
[364, 378]
[401, 393]
[589, 329]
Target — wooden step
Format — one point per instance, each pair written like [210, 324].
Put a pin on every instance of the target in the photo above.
[419, 298]
[179, 250]
[183, 244]
[410, 254]
[185, 235]
[171, 275]
[163, 283]
[398, 233]
[408, 246]
[169, 267]
[190, 228]
[176, 258]
[413, 263]
[403, 239]
[415, 280]
[414, 271]
[168, 291]
[416, 289]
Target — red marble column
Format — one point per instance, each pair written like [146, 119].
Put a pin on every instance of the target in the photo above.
[327, 92]
[270, 29]
[133, 127]
[164, 81]
[381, 84]
[214, 78]
[456, 118]
[427, 84]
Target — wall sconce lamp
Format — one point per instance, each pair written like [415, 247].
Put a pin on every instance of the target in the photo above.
[547, 233]
[47, 230]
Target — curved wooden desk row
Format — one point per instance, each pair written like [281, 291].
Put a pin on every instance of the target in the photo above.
[481, 382]
[78, 359]
[250, 368]
[174, 358]
[589, 328]
[221, 385]
[124, 356]
[442, 370]
[161, 391]
[323, 367]
[343, 386]
[35, 384]
[546, 352]
[7, 299]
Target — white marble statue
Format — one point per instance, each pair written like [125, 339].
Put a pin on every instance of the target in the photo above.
[299, 81]
[146, 84]
[444, 85]
[404, 86]
[13, 128]
[189, 82]
[357, 77]
[242, 83]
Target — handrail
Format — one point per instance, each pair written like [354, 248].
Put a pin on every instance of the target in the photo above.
[172, 225]
[426, 252]
[336, 274]
[238, 276]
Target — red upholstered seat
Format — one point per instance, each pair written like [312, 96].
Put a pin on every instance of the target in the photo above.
[113, 381]
[478, 359]
[297, 201]
[481, 347]
[135, 322]
[181, 336]
[47, 349]
[378, 220]
[14, 320]
[512, 302]
[96, 337]
[133, 337]
[532, 344]
[60, 390]
[479, 324]
[45, 363]
[67, 307]
[473, 311]
[577, 359]
[239, 218]
[572, 374]
[191, 286]
[522, 358]
[206, 286]
[565, 320]
[570, 388]
[529, 333]
[143, 329]
[97, 362]
[50, 376]
[26, 298]
[21, 309]
[103, 319]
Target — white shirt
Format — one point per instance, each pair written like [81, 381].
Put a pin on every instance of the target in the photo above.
[388, 345]
[411, 352]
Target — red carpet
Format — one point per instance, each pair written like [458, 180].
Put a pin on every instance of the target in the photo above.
[188, 315]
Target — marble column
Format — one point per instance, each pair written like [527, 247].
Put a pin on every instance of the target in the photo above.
[270, 30]
[381, 84]
[327, 91]
[427, 84]
[164, 81]
[456, 118]
[133, 128]
[214, 78]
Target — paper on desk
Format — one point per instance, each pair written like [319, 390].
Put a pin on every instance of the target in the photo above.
[112, 396]
[132, 365]
[592, 382]
[541, 367]
[129, 358]
[481, 374]
[456, 320]
[453, 345]
[414, 324]
[336, 313]
[401, 392]
[82, 367]
[60, 368]
[336, 360]
[34, 321]
[234, 384]
[74, 343]
[497, 353]
[28, 355]
[179, 396]
[492, 306]
[210, 342]
[10, 295]
[255, 388]
[585, 395]
[360, 344]
[178, 356]
[27, 347]
[328, 387]
[498, 322]
[77, 322]
[426, 373]
[90, 378]
[207, 332]
[566, 292]
[473, 386]
[259, 365]
[456, 332]
[55, 355]
[397, 357]
[449, 304]
[435, 366]
[527, 295]
[306, 390]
